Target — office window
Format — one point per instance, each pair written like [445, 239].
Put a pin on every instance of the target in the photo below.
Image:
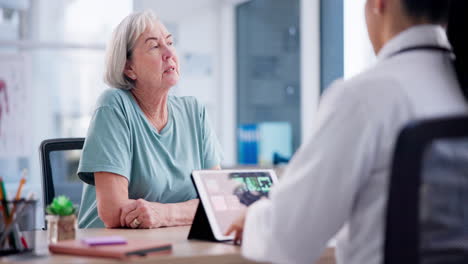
[358, 52]
[331, 42]
[268, 80]
[51, 65]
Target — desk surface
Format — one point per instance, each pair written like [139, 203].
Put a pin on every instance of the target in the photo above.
[183, 250]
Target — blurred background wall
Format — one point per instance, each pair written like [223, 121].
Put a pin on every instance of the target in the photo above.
[259, 66]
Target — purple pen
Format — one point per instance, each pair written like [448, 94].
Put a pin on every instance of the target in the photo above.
[106, 240]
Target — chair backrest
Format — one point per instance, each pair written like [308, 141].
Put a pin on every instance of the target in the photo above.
[59, 160]
[427, 210]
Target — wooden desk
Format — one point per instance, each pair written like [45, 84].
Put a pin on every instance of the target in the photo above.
[183, 250]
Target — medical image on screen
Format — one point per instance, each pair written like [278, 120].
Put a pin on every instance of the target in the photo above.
[230, 193]
[253, 186]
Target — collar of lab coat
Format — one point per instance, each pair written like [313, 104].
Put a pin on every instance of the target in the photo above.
[415, 36]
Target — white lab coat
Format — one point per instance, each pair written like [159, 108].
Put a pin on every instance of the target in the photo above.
[339, 177]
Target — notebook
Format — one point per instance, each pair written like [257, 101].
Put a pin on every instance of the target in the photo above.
[121, 251]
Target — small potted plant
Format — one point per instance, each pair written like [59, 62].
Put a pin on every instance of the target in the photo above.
[61, 219]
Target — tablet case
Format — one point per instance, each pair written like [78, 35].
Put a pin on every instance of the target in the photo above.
[201, 228]
[132, 248]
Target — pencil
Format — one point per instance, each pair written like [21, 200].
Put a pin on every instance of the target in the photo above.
[18, 193]
[9, 228]
[6, 214]
[22, 182]
[12, 213]
[23, 241]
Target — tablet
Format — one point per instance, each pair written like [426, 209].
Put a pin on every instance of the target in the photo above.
[225, 194]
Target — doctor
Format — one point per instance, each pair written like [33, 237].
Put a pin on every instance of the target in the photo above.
[339, 177]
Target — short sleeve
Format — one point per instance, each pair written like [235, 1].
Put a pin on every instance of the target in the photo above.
[107, 145]
[212, 154]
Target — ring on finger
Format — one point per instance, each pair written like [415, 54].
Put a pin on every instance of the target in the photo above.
[135, 223]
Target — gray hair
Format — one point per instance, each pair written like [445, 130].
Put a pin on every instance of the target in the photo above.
[121, 46]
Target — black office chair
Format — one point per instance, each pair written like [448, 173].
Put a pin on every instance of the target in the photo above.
[59, 159]
[427, 211]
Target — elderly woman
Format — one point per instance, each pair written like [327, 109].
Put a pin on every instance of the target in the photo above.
[142, 144]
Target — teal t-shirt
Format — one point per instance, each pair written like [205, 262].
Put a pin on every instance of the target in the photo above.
[157, 165]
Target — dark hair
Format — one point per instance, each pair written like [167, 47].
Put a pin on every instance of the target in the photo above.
[457, 34]
[436, 11]
[454, 13]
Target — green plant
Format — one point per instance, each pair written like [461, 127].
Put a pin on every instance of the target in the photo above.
[61, 205]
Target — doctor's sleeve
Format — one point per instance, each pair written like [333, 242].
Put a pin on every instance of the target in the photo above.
[316, 194]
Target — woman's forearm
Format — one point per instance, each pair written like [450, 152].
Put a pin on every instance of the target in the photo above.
[111, 195]
[179, 214]
[110, 215]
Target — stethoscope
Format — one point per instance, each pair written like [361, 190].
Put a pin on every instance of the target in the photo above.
[423, 47]
[429, 48]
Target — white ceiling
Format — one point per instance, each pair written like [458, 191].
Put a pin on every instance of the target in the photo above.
[176, 10]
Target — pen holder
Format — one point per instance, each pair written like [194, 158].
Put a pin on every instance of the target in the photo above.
[17, 233]
[60, 227]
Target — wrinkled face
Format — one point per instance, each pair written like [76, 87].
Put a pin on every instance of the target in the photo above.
[154, 61]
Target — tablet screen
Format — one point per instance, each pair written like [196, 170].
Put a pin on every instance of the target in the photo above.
[225, 194]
